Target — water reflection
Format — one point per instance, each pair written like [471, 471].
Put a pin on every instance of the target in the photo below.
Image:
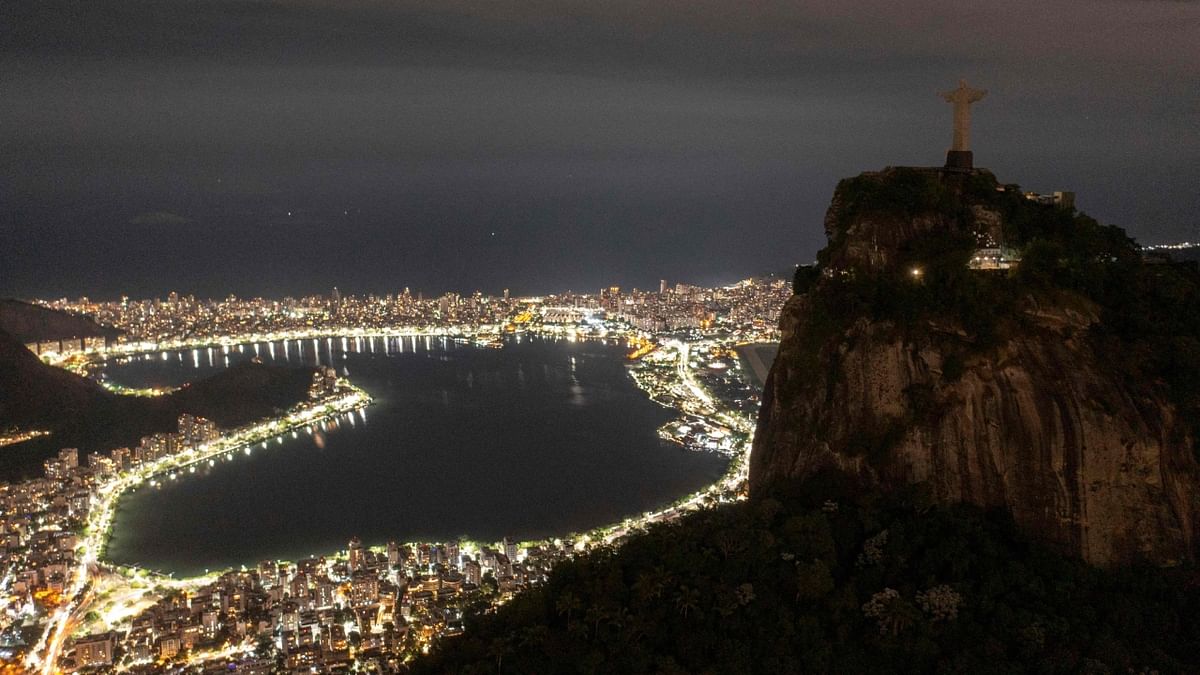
[543, 437]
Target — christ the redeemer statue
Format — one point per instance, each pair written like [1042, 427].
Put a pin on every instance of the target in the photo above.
[960, 156]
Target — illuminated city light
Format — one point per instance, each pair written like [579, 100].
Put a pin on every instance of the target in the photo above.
[671, 371]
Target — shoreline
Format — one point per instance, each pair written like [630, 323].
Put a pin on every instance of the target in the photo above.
[729, 479]
[691, 400]
[98, 527]
[260, 432]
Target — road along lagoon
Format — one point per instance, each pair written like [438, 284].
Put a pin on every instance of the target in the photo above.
[541, 437]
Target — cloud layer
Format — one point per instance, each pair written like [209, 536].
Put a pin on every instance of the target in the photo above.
[603, 142]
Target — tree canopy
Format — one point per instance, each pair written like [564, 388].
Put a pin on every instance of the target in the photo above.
[821, 578]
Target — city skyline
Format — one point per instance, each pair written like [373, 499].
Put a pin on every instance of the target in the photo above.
[339, 292]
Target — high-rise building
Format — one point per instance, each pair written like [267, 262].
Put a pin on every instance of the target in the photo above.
[121, 458]
[355, 555]
[157, 446]
[102, 464]
[610, 298]
[299, 586]
[325, 594]
[69, 457]
[94, 650]
[55, 469]
[268, 570]
[324, 382]
[472, 572]
[662, 286]
[196, 431]
[364, 588]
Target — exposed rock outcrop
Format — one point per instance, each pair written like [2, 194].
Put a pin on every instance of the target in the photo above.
[1035, 421]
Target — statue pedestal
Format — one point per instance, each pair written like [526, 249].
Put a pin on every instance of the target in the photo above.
[960, 160]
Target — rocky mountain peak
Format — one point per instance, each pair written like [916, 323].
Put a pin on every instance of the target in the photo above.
[1040, 390]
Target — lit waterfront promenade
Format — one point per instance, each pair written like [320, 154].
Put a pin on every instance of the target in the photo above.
[100, 516]
[342, 334]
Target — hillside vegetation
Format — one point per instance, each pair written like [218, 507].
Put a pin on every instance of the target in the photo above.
[822, 578]
[1065, 390]
[1149, 321]
[80, 413]
[30, 323]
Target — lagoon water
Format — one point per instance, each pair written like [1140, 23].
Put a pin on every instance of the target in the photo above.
[540, 438]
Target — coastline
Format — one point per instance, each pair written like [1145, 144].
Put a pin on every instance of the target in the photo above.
[687, 399]
[98, 527]
[309, 417]
[726, 484]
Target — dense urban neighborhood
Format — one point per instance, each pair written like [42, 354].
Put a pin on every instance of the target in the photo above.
[373, 605]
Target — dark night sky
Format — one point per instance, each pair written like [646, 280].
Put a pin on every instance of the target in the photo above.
[259, 147]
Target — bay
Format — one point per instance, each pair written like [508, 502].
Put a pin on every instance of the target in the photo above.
[540, 438]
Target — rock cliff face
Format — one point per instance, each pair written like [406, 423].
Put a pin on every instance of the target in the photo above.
[1035, 421]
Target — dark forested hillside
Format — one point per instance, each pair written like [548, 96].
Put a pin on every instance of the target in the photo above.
[822, 578]
[29, 323]
[81, 413]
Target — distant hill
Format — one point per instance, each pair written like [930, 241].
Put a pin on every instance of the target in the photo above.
[36, 395]
[31, 323]
[81, 413]
[1187, 254]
